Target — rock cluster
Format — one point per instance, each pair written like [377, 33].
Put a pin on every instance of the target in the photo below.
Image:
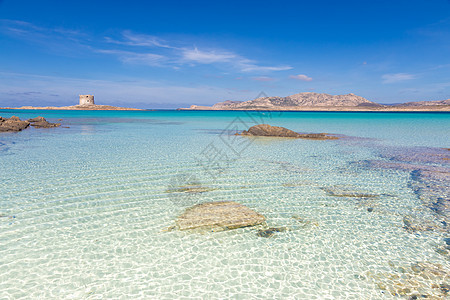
[218, 216]
[275, 131]
[14, 124]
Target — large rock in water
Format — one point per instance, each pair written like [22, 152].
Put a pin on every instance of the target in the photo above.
[12, 124]
[219, 216]
[41, 122]
[275, 131]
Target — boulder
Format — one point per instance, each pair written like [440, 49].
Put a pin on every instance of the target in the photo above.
[275, 131]
[267, 130]
[41, 122]
[13, 124]
[218, 216]
[37, 119]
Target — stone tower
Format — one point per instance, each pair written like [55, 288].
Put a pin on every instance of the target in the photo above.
[87, 100]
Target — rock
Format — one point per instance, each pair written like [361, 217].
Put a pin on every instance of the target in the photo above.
[13, 124]
[445, 288]
[347, 192]
[413, 224]
[267, 130]
[14, 118]
[370, 209]
[41, 122]
[37, 119]
[267, 233]
[430, 280]
[218, 216]
[447, 241]
[275, 131]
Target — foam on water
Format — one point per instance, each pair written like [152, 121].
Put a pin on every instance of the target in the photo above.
[85, 210]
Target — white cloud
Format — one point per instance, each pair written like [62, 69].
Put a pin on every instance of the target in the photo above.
[221, 56]
[207, 57]
[301, 77]
[256, 68]
[397, 77]
[263, 78]
[149, 59]
[144, 40]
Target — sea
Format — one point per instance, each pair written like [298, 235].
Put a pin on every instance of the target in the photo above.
[88, 210]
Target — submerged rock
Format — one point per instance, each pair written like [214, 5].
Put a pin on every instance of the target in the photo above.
[337, 191]
[419, 280]
[267, 233]
[218, 216]
[13, 124]
[305, 222]
[429, 176]
[413, 224]
[275, 131]
[191, 189]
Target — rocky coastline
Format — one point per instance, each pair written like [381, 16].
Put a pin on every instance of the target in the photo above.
[14, 124]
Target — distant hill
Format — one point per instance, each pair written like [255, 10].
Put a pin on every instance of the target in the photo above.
[323, 102]
[426, 103]
[301, 99]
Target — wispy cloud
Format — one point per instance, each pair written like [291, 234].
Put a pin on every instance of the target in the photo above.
[32, 32]
[252, 67]
[207, 57]
[397, 77]
[263, 78]
[136, 48]
[133, 39]
[301, 77]
[182, 55]
[148, 59]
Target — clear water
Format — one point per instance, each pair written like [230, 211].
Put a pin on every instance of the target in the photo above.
[85, 210]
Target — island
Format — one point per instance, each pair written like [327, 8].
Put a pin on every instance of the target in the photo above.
[323, 102]
[86, 103]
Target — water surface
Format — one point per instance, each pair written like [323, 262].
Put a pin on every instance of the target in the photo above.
[85, 209]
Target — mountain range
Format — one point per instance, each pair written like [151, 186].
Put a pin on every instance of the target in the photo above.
[302, 101]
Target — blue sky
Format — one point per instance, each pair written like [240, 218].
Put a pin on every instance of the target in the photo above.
[169, 54]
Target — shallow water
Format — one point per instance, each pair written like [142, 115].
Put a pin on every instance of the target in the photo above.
[85, 210]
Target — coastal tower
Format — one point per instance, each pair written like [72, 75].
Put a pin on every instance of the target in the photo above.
[87, 100]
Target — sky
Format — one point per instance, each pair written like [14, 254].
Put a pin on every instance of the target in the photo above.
[170, 54]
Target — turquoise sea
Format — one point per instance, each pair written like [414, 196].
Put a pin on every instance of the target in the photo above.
[86, 208]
